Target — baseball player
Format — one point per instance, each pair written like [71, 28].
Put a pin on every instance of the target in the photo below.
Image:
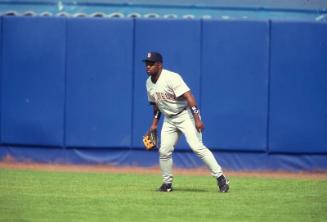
[169, 95]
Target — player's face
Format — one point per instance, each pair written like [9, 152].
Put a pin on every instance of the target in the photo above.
[152, 68]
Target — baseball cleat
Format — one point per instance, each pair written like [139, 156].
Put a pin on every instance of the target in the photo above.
[223, 184]
[166, 187]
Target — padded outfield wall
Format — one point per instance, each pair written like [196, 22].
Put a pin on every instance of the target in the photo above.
[73, 90]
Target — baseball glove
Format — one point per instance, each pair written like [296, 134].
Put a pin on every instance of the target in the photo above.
[150, 140]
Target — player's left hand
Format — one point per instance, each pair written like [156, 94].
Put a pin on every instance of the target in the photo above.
[199, 125]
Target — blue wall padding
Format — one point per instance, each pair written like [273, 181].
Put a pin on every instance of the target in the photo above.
[298, 88]
[0, 77]
[73, 89]
[234, 84]
[179, 41]
[99, 82]
[33, 81]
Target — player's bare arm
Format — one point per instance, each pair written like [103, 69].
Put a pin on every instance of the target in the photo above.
[156, 117]
[192, 104]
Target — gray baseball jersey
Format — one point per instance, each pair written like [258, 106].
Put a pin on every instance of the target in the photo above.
[166, 92]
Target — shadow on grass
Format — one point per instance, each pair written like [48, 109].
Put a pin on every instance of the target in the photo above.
[187, 189]
[190, 190]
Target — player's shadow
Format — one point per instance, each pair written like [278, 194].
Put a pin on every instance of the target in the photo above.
[187, 189]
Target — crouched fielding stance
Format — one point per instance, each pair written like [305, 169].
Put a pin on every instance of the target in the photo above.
[169, 94]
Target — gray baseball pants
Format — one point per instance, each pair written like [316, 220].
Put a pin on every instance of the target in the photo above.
[172, 128]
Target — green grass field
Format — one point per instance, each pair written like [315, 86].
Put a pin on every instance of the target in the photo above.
[27, 195]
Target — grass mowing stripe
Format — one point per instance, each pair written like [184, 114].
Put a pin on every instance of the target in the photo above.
[62, 196]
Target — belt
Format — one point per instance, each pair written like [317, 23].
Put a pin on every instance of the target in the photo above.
[170, 116]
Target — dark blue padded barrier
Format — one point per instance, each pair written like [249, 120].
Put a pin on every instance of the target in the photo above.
[33, 81]
[99, 82]
[0, 77]
[121, 157]
[234, 84]
[179, 42]
[298, 88]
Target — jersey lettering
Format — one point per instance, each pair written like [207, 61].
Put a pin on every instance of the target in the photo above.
[164, 97]
[166, 92]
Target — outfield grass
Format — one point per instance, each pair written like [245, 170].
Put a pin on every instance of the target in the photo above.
[27, 195]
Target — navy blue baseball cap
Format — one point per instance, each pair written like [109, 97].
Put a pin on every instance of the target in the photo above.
[153, 57]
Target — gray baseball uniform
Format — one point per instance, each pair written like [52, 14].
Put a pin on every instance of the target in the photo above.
[166, 94]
